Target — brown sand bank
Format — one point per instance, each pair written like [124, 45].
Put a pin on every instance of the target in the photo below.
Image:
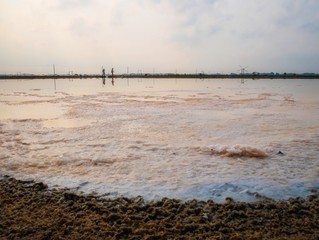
[28, 210]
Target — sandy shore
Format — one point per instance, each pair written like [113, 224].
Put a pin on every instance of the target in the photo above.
[29, 210]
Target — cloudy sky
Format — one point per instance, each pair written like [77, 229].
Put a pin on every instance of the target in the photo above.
[159, 35]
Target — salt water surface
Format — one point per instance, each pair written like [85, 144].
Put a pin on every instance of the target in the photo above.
[176, 138]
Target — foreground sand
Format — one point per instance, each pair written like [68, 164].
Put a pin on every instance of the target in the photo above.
[28, 210]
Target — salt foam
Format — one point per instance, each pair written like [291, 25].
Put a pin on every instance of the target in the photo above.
[238, 151]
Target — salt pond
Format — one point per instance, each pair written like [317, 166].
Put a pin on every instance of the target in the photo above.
[177, 138]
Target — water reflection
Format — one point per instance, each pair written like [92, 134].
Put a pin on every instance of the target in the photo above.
[54, 83]
[104, 81]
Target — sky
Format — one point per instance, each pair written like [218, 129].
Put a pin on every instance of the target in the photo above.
[160, 36]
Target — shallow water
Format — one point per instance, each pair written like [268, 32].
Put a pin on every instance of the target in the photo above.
[184, 138]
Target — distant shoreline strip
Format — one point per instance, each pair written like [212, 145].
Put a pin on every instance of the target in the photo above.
[146, 75]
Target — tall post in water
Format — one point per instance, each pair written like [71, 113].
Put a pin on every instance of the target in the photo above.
[54, 76]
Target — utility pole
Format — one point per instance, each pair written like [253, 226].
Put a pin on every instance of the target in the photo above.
[54, 76]
[242, 73]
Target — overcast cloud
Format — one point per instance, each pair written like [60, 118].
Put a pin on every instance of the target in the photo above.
[159, 35]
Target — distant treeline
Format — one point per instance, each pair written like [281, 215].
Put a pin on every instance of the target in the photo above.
[166, 75]
[232, 75]
[56, 76]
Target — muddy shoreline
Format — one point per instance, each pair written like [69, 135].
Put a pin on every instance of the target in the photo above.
[29, 210]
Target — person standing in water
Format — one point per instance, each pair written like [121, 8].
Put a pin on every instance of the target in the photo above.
[103, 76]
[112, 72]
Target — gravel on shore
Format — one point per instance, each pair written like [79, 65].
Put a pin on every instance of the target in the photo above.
[29, 210]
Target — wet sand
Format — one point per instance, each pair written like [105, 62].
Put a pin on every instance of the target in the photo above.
[29, 210]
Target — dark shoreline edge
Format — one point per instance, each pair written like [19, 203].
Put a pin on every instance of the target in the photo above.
[163, 76]
[30, 210]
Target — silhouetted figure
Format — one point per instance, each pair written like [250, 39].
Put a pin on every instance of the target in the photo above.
[112, 72]
[103, 80]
